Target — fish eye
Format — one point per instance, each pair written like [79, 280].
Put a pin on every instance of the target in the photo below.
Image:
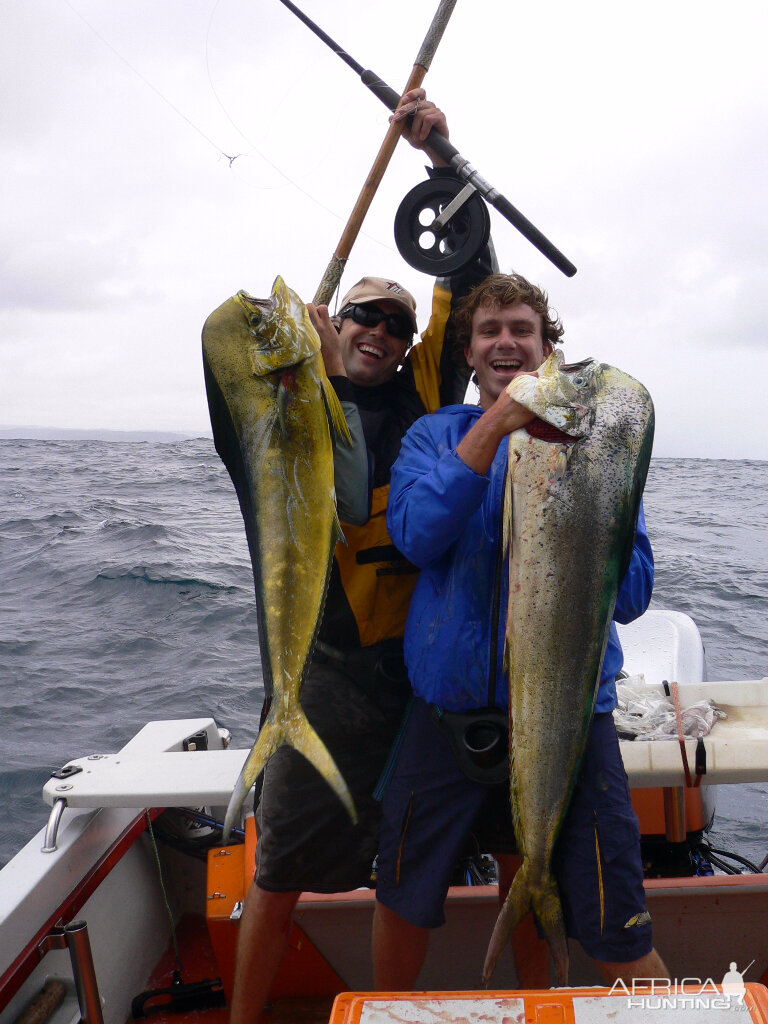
[579, 381]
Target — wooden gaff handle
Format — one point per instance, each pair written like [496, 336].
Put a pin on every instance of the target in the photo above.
[332, 275]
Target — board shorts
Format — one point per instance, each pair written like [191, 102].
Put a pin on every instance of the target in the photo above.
[306, 839]
[430, 810]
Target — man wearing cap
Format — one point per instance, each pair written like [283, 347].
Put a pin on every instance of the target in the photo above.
[356, 687]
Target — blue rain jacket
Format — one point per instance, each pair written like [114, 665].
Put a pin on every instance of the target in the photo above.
[446, 520]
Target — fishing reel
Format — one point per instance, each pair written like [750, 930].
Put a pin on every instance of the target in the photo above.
[441, 225]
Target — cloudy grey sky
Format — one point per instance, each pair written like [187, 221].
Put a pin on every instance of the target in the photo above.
[634, 136]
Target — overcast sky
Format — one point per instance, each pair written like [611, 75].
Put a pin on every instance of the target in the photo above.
[634, 136]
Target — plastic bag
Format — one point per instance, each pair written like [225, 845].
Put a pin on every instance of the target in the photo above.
[643, 713]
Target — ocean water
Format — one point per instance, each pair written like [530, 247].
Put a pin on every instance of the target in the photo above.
[126, 594]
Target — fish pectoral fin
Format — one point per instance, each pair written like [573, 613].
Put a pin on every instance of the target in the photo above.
[338, 533]
[506, 514]
[302, 737]
[336, 417]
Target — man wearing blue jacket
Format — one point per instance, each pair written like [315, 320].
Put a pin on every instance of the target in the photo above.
[444, 515]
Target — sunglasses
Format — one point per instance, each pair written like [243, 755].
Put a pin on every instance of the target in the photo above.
[369, 316]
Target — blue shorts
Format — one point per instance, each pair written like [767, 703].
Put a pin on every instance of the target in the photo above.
[430, 810]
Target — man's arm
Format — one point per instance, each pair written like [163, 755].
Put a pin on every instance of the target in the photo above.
[432, 495]
[478, 448]
[637, 586]
[434, 489]
[440, 374]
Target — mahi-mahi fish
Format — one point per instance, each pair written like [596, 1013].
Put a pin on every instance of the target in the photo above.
[570, 515]
[272, 411]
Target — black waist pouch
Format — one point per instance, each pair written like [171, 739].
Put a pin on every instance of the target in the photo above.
[480, 741]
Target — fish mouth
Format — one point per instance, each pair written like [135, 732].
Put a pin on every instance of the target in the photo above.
[261, 305]
[258, 310]
[575, 367]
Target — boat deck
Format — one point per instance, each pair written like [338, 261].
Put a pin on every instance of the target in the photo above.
[197, 963]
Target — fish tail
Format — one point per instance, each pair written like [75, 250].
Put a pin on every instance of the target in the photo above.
[549, 913]
[516, 906]
[271, 736]
[544, 900]
[303, 738]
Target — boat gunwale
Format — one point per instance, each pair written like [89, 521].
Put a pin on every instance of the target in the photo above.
[30, 956]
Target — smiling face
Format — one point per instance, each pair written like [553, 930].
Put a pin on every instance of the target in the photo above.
[371, 355]
[506, 341]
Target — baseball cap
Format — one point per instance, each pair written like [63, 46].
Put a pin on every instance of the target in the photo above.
[374, 289]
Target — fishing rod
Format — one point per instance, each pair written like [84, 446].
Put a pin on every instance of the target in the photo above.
[333, 272]
[459, 199]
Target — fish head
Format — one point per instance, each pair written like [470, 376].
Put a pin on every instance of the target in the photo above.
[562, 394]
[282, 333]
[626, 414]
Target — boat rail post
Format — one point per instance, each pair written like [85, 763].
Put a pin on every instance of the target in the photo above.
[674, 813]
[74, 937]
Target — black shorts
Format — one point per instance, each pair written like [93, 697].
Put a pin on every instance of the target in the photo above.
[307, 842]
[431, 808]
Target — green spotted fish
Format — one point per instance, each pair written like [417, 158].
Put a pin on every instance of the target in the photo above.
[272, 411]
[570, 514]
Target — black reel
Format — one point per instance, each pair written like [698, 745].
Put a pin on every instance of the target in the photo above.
[448, 249]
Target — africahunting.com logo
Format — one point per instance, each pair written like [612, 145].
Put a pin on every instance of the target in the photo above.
[687, 993]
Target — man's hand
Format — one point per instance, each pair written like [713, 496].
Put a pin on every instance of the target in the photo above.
[421, 116]
[479, 445]
[330, 349]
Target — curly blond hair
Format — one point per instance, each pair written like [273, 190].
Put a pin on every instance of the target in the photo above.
[496, 291]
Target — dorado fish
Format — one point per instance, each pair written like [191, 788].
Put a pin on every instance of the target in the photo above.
[570, 514]
[270, 403]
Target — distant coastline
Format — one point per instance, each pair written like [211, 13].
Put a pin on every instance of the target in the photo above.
[74, 434]
[172, 436]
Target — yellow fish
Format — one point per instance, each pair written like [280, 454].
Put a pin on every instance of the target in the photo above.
[272, 410]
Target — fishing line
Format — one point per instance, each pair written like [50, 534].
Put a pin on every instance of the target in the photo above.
[254, 148]
[145, 80]
[177, 958]
[230, 158]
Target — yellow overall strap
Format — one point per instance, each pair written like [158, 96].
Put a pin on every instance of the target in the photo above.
[425, 357]
[377, 580]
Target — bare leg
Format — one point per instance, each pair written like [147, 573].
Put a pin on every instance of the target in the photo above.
[531, 954]
[399, 949]
[649, 966]
[262, 941]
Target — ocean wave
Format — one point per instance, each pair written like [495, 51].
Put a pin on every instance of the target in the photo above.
[162, 576]
[127, 595]
[43, 525]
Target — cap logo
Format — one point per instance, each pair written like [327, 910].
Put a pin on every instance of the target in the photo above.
[393, 286]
